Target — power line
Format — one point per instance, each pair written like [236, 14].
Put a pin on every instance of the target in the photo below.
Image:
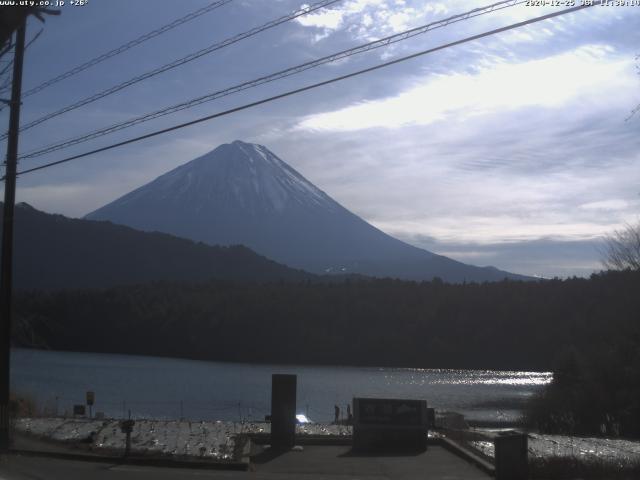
[127, 46]
[276, 76]
[10, 63]
[312, 86]
[6, 68]
[6, 83]
[6, 48]
[181, 61]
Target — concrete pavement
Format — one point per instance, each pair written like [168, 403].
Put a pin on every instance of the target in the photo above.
[340, 462]
[312, 463]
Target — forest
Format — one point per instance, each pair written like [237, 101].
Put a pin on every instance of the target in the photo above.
[504, 325]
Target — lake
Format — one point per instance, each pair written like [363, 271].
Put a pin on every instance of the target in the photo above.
[155, 387]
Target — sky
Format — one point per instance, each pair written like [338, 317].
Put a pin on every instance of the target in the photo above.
[517, 150]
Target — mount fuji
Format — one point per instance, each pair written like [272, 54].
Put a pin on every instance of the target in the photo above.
[242, 193]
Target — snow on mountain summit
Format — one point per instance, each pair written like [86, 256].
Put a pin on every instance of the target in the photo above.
[275, 182]
[249, 175]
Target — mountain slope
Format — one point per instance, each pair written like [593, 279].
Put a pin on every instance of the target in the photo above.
[53, 251]
[242, 193]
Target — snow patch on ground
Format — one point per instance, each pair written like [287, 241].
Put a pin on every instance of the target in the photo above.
[586, 448]
[207, 440]
[216, 440]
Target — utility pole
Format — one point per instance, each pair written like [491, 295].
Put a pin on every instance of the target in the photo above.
[7, 238]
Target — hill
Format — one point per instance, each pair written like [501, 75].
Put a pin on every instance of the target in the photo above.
[53, 251]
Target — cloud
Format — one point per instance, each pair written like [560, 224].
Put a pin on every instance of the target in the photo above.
[369, 19]
[334, 18]
[606, 205]
[507, 152]
[547, 83]
[482, 185]
[544, 257]
[327, 19]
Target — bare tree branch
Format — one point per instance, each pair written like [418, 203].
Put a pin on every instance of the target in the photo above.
[637, 109]
[623, 249]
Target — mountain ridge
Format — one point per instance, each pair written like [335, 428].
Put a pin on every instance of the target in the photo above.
[52, 251]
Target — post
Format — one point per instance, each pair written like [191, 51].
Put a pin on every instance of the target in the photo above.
[11, 167]
[283, 411]
[511, 456]
[90, 398]
[127, 427]
[127, 445]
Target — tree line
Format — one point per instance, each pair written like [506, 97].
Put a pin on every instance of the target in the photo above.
[503, 325]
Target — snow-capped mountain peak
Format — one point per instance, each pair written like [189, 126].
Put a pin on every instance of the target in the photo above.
[248, 174]
[242, 193]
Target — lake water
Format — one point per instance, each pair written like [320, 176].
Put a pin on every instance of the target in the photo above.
[154, 387]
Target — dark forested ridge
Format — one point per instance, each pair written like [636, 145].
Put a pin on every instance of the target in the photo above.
[53, 251]
[505, 325]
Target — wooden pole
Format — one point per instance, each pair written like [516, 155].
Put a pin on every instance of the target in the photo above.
[6, 268]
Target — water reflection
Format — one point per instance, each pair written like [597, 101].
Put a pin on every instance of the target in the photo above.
[165, 388]
[466, 377]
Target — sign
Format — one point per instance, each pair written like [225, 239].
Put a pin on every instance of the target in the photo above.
[91, 398]
[511, 456]
[78, 410]
[127, 425]
[389, 412]
[283, 410]
[389, 424]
